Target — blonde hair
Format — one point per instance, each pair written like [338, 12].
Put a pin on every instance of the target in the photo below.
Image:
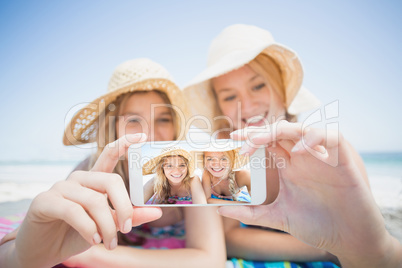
[233, 189]
[265, 66]
[162, 188]
[106, 132]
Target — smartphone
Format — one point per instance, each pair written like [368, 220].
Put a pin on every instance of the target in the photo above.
[196, 173]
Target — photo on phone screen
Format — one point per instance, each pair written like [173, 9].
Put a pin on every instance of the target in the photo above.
[182, 173]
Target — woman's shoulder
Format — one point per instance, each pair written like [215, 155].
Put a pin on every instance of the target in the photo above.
[242, 176]
[242, 173]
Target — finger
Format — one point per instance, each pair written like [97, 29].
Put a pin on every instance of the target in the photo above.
[54, 207]
[286, 145]
[249, 134]
[142, 215]
[322, 139]
[257, 137]
[112, 152]
[280, 156]
[95, 204]
[262, 215]
[112, 185]
[323, 144]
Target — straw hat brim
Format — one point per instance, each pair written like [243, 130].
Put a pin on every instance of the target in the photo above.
[299, 98]
[83, 126]
[150, 166]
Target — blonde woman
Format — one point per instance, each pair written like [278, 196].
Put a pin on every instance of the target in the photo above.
[251, 80]
[222, 179]
[68, 222]
[175, 182]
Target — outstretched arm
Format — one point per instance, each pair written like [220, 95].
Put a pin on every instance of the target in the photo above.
[197, 192]
[323, 197]
[75, 215]
[205, 247]
[148, 190]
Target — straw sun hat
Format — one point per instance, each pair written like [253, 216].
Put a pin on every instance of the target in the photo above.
[237, 163]
[133, 75]
[236, 46]
[150, 166]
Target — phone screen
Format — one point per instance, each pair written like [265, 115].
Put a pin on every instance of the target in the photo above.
[182, 173]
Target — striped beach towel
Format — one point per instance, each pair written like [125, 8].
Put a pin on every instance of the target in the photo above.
[9, 223]
[167, 238]
[239, 263]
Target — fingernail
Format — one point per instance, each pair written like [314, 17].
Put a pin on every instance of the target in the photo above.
[128, 225]
[217, 211]
[141, 135]
[113, 244]
[96, 238]
[297, 147]
[236, 132]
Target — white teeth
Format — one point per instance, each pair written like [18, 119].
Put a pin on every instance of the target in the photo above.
[176, 176]
[255, 119]
[217, 170]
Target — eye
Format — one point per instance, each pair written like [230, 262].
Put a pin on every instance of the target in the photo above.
[164, 120]
[133, 121]
[229, 98]
[209, 158]
[258, 87]
[182, 166]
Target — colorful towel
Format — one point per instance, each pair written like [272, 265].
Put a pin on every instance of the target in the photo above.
[239, 263]
[171, 200]
[171, 237]
[168, 237]
[9, 223]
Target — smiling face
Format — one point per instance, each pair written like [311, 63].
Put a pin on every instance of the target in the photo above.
[175, 169]
[217, 163]
[246, 98]
[140, 113]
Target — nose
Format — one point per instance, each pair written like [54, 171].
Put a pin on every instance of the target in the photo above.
[176, 168]
[152, 134]
[215, 163]
[248, 106]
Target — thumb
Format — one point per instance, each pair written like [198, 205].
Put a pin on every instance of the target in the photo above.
[112, 152]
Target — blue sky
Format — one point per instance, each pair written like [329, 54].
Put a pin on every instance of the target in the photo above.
[55, 55]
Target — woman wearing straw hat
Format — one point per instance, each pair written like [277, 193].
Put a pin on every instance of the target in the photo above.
[68, 222]
[175, 181]
[252, 81]
[223, 178]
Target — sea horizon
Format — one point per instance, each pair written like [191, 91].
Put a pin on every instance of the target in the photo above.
[24, 179]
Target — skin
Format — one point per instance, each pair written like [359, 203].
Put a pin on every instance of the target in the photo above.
[68, 222]
[64, 222]
[218, 165]
[136, 117]
[175, 170]
[334, 189]
[245, 88]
